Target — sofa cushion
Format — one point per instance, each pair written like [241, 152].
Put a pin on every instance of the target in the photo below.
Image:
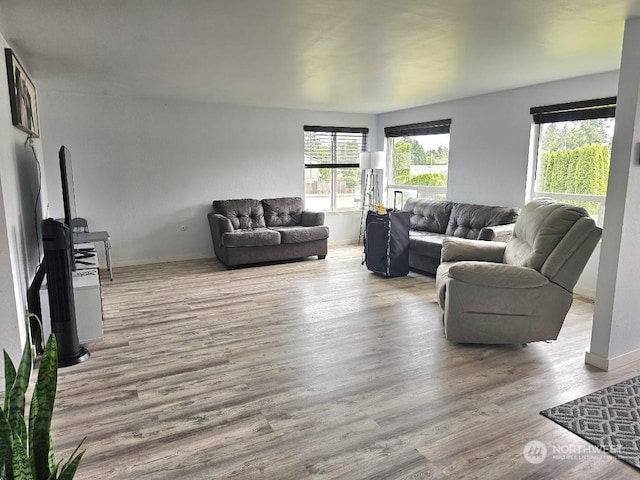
[425, 243]
[302, 234]
[428, 215]
[251, 238]
[283, 212]
[243, 213]
[467, 219]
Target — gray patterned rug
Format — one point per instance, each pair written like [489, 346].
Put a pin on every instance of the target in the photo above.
[608, 418]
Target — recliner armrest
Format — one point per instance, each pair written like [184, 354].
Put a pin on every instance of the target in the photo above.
[459, 249]
[499, 233]
[312, 219]
[496, 275]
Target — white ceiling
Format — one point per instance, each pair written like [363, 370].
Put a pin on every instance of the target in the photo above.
[365, 56]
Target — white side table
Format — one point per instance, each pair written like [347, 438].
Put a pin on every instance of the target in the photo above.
[87, 295]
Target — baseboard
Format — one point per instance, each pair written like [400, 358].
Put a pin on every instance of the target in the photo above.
[345, 242]
[612, 363]
[151, 261]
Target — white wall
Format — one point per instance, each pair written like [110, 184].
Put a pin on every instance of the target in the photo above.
[20, 251]
[489, 142]
[145, 168]
[616, 331]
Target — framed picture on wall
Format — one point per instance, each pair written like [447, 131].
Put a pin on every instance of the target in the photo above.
[22, 95]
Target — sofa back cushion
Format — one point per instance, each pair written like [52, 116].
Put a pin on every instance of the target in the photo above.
[428, 215]
[541, 226]
[243, 213]
[467, 219]
[283, 212]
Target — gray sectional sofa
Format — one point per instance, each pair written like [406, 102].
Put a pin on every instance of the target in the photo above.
[434, 220]
[246, 231]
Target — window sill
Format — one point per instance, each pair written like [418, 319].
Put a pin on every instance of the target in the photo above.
[343, 212]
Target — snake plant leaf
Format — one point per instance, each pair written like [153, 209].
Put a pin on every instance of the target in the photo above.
[21, 465]
[9, 378]
[33, 412]
[53, 466]
[69, 468]
[16, 405]
[54, 473]
[6, 444]
[45, 394]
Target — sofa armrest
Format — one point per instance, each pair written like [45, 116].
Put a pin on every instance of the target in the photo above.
[312, 219]
[499, 233]
[459, 249]
[219, 224]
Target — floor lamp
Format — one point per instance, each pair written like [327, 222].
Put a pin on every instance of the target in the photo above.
[370, 163]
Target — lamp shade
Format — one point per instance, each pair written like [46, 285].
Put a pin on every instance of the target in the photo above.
[372, 160]
[378, 160]
[365, 160]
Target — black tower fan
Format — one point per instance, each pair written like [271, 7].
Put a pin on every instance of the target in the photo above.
[58, 255]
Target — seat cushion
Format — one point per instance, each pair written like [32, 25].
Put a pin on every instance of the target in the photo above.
[251, 238]
[425, 243]
[302, 234]
[243, 213]
[283, 212]
[467, 219]
[428, 215]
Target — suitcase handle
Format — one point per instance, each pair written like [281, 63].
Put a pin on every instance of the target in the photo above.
[395, 198]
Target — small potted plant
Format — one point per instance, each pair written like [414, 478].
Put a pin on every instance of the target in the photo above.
[26, 449]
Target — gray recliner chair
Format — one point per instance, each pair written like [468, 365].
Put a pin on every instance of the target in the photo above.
[519, 291]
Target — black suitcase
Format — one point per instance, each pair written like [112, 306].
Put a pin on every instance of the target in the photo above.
[386, 243]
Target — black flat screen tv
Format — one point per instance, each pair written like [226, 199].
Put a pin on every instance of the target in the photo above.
[68, 194]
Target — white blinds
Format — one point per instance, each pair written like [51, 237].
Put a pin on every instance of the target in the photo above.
[336, 147]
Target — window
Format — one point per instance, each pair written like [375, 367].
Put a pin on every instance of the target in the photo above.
[332, 167]
[418, 159]
[573, 150]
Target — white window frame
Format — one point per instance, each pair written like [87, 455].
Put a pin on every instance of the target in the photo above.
[575, 111]
[335, 165]
[436, 127]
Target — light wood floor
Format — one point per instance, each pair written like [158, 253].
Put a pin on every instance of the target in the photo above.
[314, 370]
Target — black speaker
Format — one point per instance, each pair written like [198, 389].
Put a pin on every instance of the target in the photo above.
[58, 258]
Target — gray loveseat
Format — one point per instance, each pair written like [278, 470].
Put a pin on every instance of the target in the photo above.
[434, 220]
[246, 231]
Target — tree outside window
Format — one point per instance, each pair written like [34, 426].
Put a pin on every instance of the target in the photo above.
[418, 159]
[573, 158]
[573, 151]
